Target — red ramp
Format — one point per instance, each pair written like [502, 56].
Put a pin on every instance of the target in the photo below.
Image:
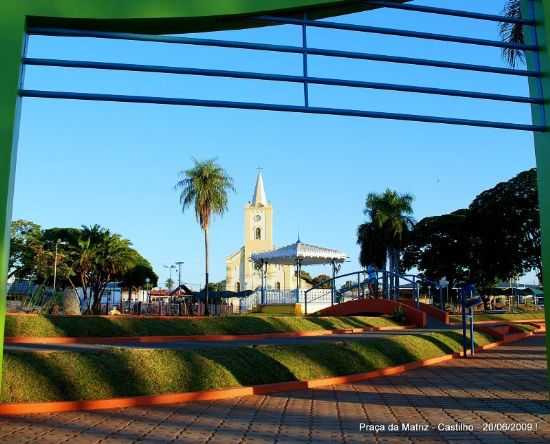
[430, 310]
[376, 306]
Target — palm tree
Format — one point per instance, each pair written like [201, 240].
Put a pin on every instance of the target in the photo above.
[512, 33]
[205, 187]
[391, 221]
[99, 257]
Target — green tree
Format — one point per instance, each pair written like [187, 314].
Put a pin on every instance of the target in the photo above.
[139, 273]
[373, 247]
[25, 239]
[390, 223]
[321, 279]
[205, 187]
[507, 223]
[169, 283]
[98, 258]
[441, 246]
[304, 275]
[496, 238]
[216, 286]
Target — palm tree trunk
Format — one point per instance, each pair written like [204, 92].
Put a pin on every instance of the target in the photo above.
[390, 275]
[396, 267]
[206, 311]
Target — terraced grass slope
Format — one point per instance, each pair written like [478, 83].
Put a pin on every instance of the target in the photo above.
[102, 326]
[123, 372]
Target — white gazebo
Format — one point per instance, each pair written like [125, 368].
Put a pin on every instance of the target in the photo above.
[298, 254]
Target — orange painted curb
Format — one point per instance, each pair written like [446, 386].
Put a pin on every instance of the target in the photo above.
[66, 340]
[217, 394]
[209, 395]
[502, 321]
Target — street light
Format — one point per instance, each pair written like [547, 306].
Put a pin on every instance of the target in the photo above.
[170, 268]
[147, 280]
[180, 266]
[57, 243]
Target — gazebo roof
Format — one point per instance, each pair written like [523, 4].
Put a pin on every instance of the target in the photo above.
[305, 253]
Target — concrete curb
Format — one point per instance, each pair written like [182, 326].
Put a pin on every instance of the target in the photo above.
[218, 394]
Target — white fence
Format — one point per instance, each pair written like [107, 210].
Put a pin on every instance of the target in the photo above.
[317, 299]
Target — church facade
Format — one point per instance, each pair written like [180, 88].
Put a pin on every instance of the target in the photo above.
[258, 237]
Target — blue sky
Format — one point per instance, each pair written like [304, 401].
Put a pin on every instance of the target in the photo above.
[116, 164]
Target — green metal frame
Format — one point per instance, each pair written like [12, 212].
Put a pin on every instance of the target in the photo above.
[179, 16]
[143, 16]
[540, 11]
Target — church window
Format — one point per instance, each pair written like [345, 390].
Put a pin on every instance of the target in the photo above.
[238, 287]
[278, 286]
[258, 234]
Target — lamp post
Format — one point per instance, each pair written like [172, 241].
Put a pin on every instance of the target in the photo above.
[57, 242]
[147, 280]
[180, 265]
[170, 268]
[443, 284]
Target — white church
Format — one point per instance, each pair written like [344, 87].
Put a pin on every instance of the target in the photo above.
[241, 274]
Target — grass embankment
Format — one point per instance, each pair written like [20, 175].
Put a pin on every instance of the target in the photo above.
[115, 373]
[79, 326]
[521, 316]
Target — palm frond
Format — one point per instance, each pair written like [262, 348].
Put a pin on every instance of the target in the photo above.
[205, 187]
[512, 33]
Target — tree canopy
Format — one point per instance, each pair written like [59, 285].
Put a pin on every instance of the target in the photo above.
[25, 241]
[496, 238]
[88, 258]
[387, 230]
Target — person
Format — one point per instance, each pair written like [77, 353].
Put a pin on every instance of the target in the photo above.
[372, 280]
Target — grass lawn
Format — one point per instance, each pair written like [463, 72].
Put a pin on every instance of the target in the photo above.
[522, 316]
[119, 372]
[78, 326]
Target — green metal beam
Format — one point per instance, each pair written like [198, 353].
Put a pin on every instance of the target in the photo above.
[12, 38]
[143, 16]
[179, 16]
[540, 11]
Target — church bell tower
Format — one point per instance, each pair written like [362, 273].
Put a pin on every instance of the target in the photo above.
[258, 221]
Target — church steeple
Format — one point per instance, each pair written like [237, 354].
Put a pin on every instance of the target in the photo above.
[259, 193]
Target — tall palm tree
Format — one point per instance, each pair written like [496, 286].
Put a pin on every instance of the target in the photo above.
[205, 187]
[390, 215]
[512, 33]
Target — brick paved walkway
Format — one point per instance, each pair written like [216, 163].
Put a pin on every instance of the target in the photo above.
[505, 385]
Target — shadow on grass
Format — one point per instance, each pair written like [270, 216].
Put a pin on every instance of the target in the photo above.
[70, 377]
[249, 365]
[48, 380]
[446, 347]
[99, 326]
[324, 323]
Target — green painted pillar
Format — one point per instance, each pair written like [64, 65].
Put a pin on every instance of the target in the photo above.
[540, 35]
[12, 41]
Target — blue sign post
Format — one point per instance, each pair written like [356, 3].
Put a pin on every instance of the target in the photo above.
[468, 302]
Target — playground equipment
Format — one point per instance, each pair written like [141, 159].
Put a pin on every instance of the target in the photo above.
[356, 286]
[124, 19]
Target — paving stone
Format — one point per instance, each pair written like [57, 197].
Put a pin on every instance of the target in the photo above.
[505, 385]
